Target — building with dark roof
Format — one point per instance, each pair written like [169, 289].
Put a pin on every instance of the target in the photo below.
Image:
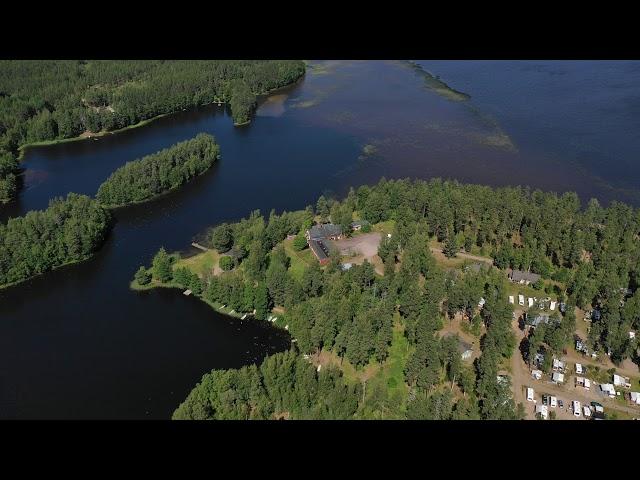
[324, 231]
[319, 250]
[518, 276]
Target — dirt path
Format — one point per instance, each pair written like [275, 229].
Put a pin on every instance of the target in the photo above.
[468, 256]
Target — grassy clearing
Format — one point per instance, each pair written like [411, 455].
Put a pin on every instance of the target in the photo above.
[201, 264]
[384, 227]
[299, 260]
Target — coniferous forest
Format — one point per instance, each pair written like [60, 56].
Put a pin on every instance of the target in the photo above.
[43, 101]
[591, 255]
[166, 170]
[68, 231]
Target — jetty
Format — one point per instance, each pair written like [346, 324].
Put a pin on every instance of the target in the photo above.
[199, 247]
[187, 292]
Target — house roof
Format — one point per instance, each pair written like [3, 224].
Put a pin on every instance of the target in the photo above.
[519, 275]
[326, 230]
[359, 223]
[318, 249]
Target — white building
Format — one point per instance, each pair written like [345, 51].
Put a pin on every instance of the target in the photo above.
[608, 389]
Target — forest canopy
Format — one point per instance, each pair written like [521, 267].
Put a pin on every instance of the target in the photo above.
[166, 170]
[591, 256]
[69, 230]
[46, 100]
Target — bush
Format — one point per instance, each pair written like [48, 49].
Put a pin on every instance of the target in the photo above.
[226, 263]
[366, 228]
[300, 242]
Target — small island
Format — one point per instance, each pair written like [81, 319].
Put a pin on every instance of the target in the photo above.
[153, 175]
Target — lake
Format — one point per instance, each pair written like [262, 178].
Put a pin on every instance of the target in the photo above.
[77, 343]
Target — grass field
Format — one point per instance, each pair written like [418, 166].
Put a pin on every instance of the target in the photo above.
[201, 263]
[299, 260]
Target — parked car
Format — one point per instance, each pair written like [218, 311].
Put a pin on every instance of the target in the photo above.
[545, 400]
[560, 403]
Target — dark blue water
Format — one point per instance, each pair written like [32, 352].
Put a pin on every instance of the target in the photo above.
[585, 114]
[77, 343]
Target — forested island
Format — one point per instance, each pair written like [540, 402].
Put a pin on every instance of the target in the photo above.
[68, 231]
[48, 101]
[379, 331]
[161, 172]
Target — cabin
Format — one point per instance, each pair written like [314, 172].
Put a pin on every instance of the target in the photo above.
[325, 231]
[357, 225]
[525, 278]
[320, 251]
[608, 389]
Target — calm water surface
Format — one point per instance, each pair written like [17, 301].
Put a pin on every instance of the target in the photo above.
[77, 343]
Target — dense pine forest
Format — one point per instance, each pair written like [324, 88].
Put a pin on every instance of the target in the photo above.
[69, 230]
[166, 170]
[50, 100]
[587, 257]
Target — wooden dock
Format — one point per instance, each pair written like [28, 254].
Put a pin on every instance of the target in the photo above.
[200, 247]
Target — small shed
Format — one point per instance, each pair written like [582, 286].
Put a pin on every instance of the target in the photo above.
[557, 377]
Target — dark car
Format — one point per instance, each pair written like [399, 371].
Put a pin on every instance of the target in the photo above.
[560, 403]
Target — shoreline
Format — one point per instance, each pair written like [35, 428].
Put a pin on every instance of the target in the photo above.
[156, 197]
[48, 143]
[73, 262]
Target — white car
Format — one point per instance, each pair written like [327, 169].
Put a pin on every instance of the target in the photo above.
[587, 411]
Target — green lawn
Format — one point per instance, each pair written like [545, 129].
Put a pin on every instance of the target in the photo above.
[299, 260]
[202, 263]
